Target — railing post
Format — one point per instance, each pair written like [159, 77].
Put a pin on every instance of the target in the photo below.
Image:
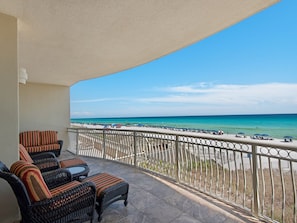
[135, 148]
[76, 144]
[255, 210]
[177, 157]
[103, 144]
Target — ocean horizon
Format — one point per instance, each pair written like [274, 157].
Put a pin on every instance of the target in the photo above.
[275, 125]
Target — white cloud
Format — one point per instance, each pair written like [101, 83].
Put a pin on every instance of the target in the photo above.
[198, 99]
[81, 114]
[198, 88]
[272, 93]
[96, 100]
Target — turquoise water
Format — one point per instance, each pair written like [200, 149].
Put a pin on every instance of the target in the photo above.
[276, 125]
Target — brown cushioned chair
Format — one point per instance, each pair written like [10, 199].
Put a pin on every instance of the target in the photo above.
[70, 202]
[37, 141]
[47, 161]
[109, 188]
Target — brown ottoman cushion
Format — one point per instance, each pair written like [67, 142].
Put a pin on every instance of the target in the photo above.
[109, 189]
[72, 162]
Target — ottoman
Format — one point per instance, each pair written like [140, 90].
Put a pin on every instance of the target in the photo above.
[109, 189]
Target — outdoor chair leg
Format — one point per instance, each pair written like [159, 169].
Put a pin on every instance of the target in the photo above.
[99, 218]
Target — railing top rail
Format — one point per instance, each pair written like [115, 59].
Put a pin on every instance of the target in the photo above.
[224, 138]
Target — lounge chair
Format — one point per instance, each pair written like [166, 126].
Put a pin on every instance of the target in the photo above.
[40, 203]
[47, 161]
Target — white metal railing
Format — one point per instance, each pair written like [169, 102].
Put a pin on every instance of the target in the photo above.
[216, 165]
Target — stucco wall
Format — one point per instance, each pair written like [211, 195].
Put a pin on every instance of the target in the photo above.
[8, 111]
[45, 107]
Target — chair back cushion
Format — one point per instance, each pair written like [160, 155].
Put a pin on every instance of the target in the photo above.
[48, 137]
[32, 179]
[29, 138]
[24, 155]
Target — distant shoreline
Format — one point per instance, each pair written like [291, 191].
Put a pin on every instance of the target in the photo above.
[274, 125]
[175, 116]
[171, 130]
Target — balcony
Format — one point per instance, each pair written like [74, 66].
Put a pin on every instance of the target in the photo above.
[188, 177]
[153, 199]
[60, 43]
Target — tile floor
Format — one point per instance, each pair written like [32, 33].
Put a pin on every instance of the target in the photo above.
[154, 200]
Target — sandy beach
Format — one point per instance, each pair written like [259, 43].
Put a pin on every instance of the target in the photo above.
[224, 136]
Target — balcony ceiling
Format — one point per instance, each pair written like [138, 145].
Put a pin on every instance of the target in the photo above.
[64, 41]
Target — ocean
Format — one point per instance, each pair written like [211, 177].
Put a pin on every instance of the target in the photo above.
[275, 125]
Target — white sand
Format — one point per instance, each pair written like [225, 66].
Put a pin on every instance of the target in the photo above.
[227, 137]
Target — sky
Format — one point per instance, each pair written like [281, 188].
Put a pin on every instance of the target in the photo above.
[248, 68]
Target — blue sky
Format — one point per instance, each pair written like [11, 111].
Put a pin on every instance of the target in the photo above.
[249, 68]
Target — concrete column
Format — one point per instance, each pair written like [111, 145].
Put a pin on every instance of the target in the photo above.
[9, 118]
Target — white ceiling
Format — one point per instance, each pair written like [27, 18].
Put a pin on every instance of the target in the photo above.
[65, 41]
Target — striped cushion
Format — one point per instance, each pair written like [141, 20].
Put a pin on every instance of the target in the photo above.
[32, 179]
[30, 138]
[24, 155]
[72, 162]
[43, 148]
[103, 181]
[48, 137]
[18, 167]
[65, 187]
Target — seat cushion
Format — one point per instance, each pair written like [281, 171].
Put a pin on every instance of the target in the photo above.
[103, 181]
[43, 148]
[56, 191]
[32, 179]
[30, 138]
[48, 137]
[72, 162]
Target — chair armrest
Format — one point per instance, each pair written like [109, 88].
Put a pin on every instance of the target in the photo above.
[79, 199]
[57, 177]
[43, 155]
[47, 164]
[58, 152]
[61, 143]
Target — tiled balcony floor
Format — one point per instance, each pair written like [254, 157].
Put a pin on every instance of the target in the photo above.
[153, 200]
